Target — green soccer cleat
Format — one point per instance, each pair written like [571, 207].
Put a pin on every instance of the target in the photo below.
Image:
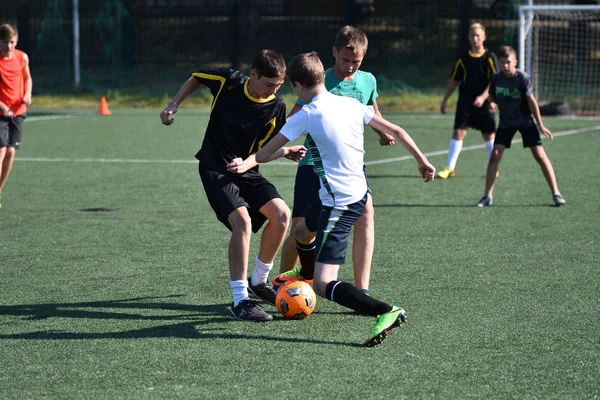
[446, 173]
[290, 276]
[385, 324]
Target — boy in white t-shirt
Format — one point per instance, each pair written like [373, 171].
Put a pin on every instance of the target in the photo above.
[334, 127]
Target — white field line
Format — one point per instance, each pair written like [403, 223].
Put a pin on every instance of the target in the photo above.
[480, 146]
[47, 117]
[290, 163]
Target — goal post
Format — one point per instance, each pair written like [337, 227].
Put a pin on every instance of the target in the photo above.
[559, 46]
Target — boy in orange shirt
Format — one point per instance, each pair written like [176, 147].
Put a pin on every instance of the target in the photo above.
[15, 96]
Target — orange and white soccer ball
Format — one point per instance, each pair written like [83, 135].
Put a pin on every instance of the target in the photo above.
[296, 300]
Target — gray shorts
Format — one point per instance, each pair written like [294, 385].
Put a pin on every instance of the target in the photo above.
[11, 131]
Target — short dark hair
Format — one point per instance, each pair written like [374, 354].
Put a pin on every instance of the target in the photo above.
[8, 32]
[269, 63]
[506, 51]
[306, 69]
[352, 38]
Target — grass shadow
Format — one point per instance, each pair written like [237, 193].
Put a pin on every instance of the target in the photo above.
[193, 316]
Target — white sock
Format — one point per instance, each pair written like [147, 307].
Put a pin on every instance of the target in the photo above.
[489, 147]
[261, 272]
[239, 290]
[453, 152]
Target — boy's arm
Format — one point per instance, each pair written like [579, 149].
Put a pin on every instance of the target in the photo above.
[384, 138]
[535, 110]
[184, 91]
[274, 149]
[449, 89]
[27, 81]
[294, 110]
[425, 168]
[479, 100]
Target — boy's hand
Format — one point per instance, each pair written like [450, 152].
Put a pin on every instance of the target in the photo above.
[426, 170]
[492, 107]
[8, 114]
[386, 140]
[443, 107]
[479, 100]
[165, 115]
[546, 132]
[295, 153]
[26, 99]
[237, 166]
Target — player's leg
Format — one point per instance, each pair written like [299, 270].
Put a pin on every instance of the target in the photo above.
[331, 254]
[7, 163]
[533, 140]
[223, 194]
[304, 235]
[363, 245]
[239, 243]
[289, 255]
[306, 190]
[502, 141]
[456, 144]
[539, 154]
[492, 168]
[269, 207]
[542, 159]
[9, 139]
[484, 121]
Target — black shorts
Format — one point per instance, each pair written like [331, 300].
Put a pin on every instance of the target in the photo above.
[228, 192]
[306, 189]
[335, 225]
[11, 131]
[529, 133]
[469, 116]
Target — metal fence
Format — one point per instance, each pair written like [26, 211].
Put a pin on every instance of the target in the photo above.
[133, 44]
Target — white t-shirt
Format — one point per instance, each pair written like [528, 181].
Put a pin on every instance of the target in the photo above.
[334, 126]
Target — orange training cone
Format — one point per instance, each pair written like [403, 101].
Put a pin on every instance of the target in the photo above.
[103, 109]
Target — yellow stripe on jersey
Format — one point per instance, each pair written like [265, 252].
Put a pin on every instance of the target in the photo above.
[254, 99]
[273, 123]
[214, 78]
[492, 67]
[459, 63]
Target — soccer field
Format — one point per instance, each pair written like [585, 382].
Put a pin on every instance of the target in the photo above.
[114, 278]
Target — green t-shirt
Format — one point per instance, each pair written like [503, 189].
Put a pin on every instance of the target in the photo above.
[363, 87]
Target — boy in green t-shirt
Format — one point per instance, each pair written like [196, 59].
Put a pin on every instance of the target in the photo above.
[343, 79]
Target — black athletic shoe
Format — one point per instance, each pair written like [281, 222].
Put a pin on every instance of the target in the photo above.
[248, 310]
[262, 291]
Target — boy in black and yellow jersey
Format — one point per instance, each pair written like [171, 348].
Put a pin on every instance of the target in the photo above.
[245, 113]
[472, 71]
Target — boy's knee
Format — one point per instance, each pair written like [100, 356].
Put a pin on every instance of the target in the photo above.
[282, 216]
[302, 234]
[240, 220]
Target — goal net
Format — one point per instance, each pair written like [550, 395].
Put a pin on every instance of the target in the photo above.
[559, 46]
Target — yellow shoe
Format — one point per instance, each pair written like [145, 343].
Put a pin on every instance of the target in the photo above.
[445, 173]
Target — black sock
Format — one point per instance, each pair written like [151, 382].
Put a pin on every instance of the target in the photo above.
[350, 296]
[307, 255]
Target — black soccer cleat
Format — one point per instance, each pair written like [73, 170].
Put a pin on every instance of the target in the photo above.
[248, 310]
[262, 291]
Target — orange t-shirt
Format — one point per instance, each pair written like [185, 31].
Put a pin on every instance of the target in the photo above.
[12, 86]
